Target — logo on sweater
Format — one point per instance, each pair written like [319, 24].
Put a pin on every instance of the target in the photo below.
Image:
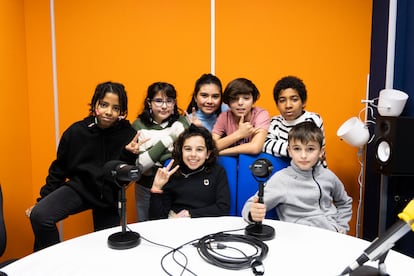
[206, 182]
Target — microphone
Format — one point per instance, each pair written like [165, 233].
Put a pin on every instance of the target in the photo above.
[123, 172]
[381, 245]
[261, 168]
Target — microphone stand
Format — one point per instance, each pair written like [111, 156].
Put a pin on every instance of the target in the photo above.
[366, 270]
[259, 230]
[379, 248]
[124, 239]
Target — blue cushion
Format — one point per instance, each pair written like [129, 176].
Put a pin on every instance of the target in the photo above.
[230, 165]
[248, 185]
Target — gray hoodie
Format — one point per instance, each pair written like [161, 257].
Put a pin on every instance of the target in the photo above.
[315, 197]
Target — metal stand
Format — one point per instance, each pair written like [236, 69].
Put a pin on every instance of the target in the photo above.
[259, 230]
[366, 270]
[124, 239]
[382, 219]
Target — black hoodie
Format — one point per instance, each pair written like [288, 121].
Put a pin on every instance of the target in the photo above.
[83, 150]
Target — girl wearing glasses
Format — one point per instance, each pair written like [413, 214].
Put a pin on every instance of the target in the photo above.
[159, 125]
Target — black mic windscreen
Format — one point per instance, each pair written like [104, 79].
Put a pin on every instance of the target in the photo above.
[135, 172]
[109, 168]
[122, 171]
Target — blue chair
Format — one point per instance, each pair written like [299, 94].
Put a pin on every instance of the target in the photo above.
[230, 165]
[248, 185]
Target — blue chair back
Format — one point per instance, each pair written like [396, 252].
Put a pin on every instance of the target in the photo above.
[230, 165]
[247, 185]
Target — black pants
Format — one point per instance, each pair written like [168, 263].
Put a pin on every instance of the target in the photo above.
[57, 206]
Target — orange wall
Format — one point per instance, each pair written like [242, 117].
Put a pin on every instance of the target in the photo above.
[326, 43]
[15, 138]
[134, 43]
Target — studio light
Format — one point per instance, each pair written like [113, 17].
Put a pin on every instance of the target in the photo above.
[391, 102]
[355, 132]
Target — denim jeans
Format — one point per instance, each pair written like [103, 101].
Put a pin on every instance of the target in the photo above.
[142, 201]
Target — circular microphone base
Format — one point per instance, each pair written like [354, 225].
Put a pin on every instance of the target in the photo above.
[366, 270]
[124, 240]
[260, 231]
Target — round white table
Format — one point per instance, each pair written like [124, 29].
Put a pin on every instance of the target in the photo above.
[295, 250]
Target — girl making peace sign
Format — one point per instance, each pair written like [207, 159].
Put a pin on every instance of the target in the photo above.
[192, 184]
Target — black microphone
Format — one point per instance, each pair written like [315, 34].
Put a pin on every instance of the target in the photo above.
[381, 245]
[261, 170]
[122, 171]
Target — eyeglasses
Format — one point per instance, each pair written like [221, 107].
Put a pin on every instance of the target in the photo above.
[159, 102]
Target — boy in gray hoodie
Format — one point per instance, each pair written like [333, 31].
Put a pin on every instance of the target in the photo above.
[305, 192]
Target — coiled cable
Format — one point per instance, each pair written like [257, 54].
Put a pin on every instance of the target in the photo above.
[209, 246]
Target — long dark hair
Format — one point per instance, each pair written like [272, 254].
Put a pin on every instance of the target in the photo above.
[205, 79]
[168, 90]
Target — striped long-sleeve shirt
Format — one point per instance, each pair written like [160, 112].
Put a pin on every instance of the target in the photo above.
[276, 142]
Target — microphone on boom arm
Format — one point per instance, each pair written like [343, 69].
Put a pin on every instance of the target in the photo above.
[261, 170]
[123, 174]
[381, 245]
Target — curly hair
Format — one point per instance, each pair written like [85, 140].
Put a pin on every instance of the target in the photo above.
[290, 82]
[177, 153]
[110, 87]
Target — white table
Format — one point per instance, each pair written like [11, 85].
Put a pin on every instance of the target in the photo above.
[295, 250]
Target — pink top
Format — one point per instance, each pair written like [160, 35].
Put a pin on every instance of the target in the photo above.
[226, 123]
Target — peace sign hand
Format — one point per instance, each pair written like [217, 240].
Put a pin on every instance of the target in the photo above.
[162, 176]
[193, 118]
[134, 145]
